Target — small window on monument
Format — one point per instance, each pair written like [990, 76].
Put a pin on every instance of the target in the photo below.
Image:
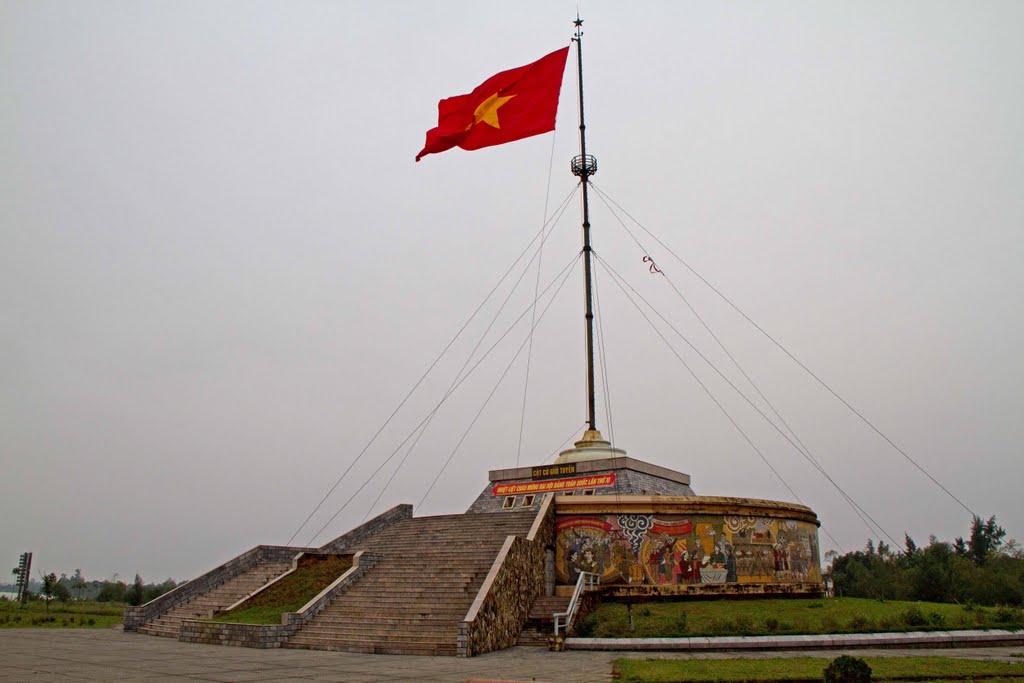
[510, 502]
[569, 493]
[527, 501]
[588, 492]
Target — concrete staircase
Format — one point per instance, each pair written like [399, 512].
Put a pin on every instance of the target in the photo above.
[231, 591]
[428, 572]
[540, 625]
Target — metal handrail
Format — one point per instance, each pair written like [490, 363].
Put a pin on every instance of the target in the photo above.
[586, 582]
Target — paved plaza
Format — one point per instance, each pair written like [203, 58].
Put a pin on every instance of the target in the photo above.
[112, 655]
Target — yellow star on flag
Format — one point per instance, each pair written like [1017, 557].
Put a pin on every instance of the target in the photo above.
[488, 111]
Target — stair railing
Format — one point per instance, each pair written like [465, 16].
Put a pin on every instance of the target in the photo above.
[587, 581]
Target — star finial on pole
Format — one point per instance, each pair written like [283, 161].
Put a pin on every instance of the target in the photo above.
[578, 23]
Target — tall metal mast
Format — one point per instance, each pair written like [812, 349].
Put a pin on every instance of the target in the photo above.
[585, 166]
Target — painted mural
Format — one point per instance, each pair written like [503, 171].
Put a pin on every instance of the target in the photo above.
[685, 549]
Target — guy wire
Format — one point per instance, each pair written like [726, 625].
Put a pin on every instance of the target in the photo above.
[564, 273]
[792, 357]
[799, 445]
[369, 443]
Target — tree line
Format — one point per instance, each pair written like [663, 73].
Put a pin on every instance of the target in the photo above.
[76, 587]
[984, 569]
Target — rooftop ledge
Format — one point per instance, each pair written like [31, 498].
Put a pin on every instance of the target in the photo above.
[603, 465]
[712, 505]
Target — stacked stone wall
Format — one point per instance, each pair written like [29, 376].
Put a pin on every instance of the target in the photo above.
[496, 622]
[502, 606]
[239, 635]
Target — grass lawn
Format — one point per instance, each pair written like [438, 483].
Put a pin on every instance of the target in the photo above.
[290, 593]
[804, 668]
[75, 614]
[789, 616]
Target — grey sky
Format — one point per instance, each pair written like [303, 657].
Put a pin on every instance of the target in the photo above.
[220, 269]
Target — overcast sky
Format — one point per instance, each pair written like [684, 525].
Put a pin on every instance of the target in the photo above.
[221, 270]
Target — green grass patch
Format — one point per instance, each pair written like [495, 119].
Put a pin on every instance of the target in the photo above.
[73, 614]
[313, 574]
[804, 668]
[789, 616]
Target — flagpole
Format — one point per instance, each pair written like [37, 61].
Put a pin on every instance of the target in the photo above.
[585, 166]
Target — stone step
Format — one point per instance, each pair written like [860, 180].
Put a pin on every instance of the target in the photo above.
[388, 569]
[169, 623]
[533, 639]
[429, 619]
[371, 639]
[381, 649]
[162, 632]
[403, 591]
[382, 633]
[368, 609]
[426, 575]
[545, 607]
[368, 612]
[376, 600]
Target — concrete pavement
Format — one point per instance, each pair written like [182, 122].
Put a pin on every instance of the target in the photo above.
[112, 655]
[109, 655]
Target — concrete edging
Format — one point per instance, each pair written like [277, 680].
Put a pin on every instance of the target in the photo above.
[135, 617]
[839, 641]
[295, 565]
[274, 635]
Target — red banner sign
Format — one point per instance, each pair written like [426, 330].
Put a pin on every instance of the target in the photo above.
[583, 523]
[596, 481]
[675, 528]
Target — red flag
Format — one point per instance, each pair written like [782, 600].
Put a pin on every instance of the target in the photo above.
[511, 105]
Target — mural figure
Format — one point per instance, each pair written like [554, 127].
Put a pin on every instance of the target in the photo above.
[729, 558]
[689, 565]
[680, 550]
[589, 564]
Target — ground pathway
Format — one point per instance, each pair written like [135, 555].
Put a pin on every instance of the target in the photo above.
[112, 655]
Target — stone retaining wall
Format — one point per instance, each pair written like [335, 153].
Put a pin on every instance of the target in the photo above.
[134, 617]
[239, 635]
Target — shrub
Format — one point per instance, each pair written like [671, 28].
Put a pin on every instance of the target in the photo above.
[744, 623]
[720, 626]
[1009, 615]
[936, 619]
[913, 616]
[886, 622]
[586, 626]
[682, 622]
[772, 624]
[848, 669]
[859, 622]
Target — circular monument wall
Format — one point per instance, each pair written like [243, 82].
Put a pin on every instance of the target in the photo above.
[687, 545]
